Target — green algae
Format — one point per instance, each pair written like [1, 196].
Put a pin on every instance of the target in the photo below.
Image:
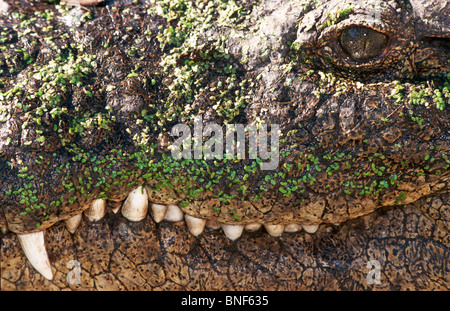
[185, 69]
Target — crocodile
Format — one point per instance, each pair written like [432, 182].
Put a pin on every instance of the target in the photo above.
[352, 96]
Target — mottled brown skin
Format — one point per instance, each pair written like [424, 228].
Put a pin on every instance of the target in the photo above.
[116, 254]
[404, 227]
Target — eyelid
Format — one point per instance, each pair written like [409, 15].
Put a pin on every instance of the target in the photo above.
[356, 21]
[328, 46]
[330, 38]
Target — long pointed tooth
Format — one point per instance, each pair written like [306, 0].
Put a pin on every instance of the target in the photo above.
[232, 231]
[213, 224]
[310, 228]
[174, 213]
[292, 228]
[33, 245]
[195, 225]
[274, 230]
[97, 210]
[73, 222]
[253, 227]
[136, 205]
[158, 212]
[4, 230]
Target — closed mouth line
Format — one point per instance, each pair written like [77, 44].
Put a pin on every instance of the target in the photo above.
[135, 208]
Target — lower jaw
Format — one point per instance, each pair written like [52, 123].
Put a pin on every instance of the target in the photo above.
[114, 253]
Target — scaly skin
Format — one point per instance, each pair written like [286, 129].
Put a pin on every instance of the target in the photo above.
[363, 144]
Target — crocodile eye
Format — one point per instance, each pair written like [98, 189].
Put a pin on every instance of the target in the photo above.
[363, 44]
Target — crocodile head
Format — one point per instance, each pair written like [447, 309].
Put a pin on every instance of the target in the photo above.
[232, 115]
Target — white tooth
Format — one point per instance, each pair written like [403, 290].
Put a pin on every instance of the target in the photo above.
[174, 213]
[158, 212]
[115, 210]
[213, 224]
[33, 245]
[292, 228]
[73, 222]
[274, 230]
[4, 230]
[195, 225]
[232, 231]
[136, 205]
[310, 228]
[3, 6]
[115, 206]
[253, 227]
[97, 210]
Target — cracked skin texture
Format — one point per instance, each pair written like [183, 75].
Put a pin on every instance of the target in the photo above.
[363, 149]
[116, 254]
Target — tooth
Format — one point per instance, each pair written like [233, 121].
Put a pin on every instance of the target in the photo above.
[195, 225]
[213, 224]
[174, 213]
[292, 228]
[136, 205]
[232, 231]
[253, 227]
[115, 206]
[33, 245]
[73, 222]
[274, 230]
[158, 212]
[4, 230]
[310, 228]
[97, 210]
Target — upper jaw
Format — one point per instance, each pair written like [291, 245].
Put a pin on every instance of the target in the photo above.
[319, 203]
[438, 30]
